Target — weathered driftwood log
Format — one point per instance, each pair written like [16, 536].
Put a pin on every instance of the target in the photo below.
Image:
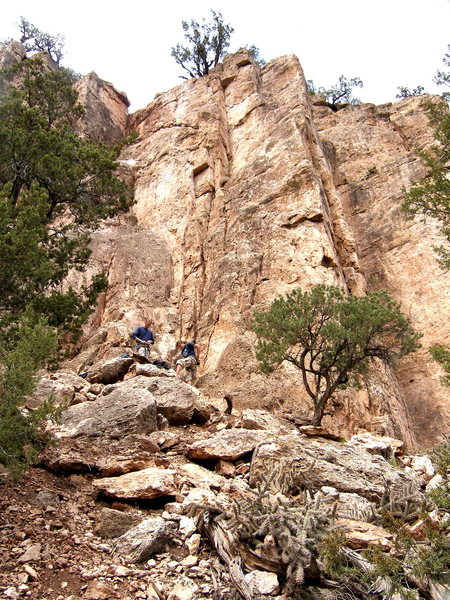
[383, 585]
[439, 591]
[234, 553]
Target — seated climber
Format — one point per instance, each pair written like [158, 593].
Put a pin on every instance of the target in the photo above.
[190, 358]
[144, 339]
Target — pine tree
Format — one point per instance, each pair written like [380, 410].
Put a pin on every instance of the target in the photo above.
[207, 45]
[331, 337]
[55, 186]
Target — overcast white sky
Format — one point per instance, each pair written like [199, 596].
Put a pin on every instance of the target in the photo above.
[386, 43]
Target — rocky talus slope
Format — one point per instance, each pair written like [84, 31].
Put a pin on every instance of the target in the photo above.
[149, 491]
[246, 187]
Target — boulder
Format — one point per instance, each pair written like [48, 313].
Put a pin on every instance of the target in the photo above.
[312, 463]
[153, 371]
[140, 485]
[228, 444]
[386, 446]
[261, 419]
[61, 386]
[114, 523]
[109, 372]
[122, 412]
[351, 506]
[262, 583]
[143, 540]
[361, 535]
[198, 476]
[175, 399]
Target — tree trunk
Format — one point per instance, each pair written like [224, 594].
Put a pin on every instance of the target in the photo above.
[319, 407]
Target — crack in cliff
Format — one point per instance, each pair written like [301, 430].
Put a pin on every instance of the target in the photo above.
[173, 126]
[342, 241]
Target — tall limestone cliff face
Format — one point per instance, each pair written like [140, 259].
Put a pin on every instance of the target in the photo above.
[244, 190]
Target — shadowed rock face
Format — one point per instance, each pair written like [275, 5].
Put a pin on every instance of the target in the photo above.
[245, 190]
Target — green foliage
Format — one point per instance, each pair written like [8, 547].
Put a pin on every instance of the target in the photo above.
[441, 460]
[338, 94]
[430, 197]
[431, 559]
[441, 354]
[55, 186]
[329, 337]
[34, 40]
[22, 433]
[406, 92]
[38, 144]
[335, 563]
[443, 77]
[207, 45]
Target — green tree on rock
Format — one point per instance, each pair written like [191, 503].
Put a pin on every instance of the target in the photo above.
[35, 40]
[55, 187]
[331, 337]
[207, 45]
[430, 196]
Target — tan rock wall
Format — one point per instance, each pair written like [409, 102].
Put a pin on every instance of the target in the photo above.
[243, 193]
[106, 109]
[375, 155]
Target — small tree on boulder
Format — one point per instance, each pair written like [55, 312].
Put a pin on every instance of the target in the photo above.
[330, 337]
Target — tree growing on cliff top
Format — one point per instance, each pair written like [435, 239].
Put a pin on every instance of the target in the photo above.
[35, 40]
[330, 337]
[339, 94]
[207, 45]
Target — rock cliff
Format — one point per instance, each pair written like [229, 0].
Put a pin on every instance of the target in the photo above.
[246, 188]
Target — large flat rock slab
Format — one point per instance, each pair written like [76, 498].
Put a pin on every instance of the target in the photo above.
[311, 464]
[141, 485]
[229, 444]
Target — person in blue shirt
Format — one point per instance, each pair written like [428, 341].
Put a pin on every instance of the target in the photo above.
[190, 358]
[144, 339]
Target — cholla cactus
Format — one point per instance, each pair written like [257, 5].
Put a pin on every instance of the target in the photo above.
[285, 528]
[400, 500]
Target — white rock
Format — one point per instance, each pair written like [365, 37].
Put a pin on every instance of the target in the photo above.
[423, 464]
[262, 582]
[187, 526]
[32, 554]
[193, 543]
[184, 590]
[435, 482]
[189, 561]
[326, 489]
